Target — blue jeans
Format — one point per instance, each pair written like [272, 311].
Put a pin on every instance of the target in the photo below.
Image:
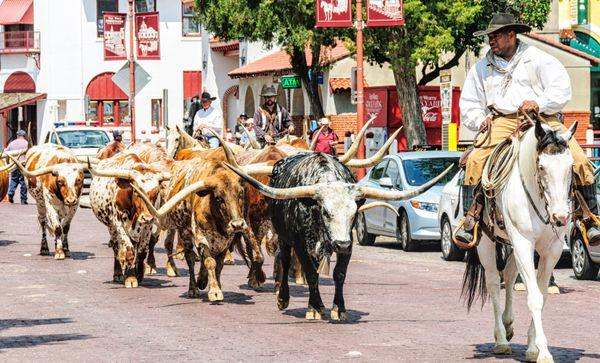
[16, 178]
[213, 142]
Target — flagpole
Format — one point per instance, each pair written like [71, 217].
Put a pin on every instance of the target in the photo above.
[131, 69]
[360, 101]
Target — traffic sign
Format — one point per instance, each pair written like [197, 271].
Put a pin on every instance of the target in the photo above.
[121, 78]
[290, 82]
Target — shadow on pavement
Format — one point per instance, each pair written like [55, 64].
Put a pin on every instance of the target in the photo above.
[80, 256]
[20, 323]
[424, 246]
[269, 287]
[28, 341]
[154, 283]
[354, 316]
[560, 354]
[4, 243]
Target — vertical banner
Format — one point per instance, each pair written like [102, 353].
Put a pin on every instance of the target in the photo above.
[334, 13]
[446, 95]
[376, 105]
[147, 35]
[385, 12]
[114, 36]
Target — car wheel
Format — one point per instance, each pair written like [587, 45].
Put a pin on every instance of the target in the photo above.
[450, 251]
[583, 267]
[364, 237]
[403, 233]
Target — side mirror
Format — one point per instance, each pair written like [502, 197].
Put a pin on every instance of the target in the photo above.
[386, 182]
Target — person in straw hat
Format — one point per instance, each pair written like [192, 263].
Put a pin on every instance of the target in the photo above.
[271, 119]
[327, 139]
[512, 79]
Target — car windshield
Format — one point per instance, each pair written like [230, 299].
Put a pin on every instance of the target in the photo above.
[420, 171]
[82, 138]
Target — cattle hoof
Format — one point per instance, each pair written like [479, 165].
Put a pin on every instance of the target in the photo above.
[59, 255]
[338, 315]
[531, 356]
[150, 270]
[172, 270]
[553, 290]
[509, 332]
[502, 349]
[45, 252]
[215, 295]
[519, 286]
[253, 283]
[229, 262]
[282, 304]
[312, 314]
[67, 254]
[300, 280]
[118, 278]
[193, 293]
[131, 281]
[180, 255]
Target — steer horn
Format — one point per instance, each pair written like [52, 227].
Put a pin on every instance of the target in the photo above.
[348, 155]
[367, 163]
[313, 143]
[276, 193]
[85, 159]
[172, 202]
[378, 204]
[34, 173]
[228, 153]
[374, 193]
[110, 173]
[253, 142]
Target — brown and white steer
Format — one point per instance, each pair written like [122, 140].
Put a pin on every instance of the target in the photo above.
[54, 179]
[128, 220]
[110, 150]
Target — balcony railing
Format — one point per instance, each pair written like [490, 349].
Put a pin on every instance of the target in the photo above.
[19, 42]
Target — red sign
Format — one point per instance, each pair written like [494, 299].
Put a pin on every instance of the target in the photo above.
[334, 13]
[114, 36]
[147, 35]
[385, 12]
[376, 101]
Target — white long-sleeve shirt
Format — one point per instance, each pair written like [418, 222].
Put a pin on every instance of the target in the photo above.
[211, 117]
[553, 93]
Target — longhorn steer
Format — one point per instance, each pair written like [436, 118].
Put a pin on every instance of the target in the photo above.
[54, 179]
[110, 150]
[128, 220]
[314, 206]
[4, 177]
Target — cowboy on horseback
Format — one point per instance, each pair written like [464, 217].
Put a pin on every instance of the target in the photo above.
[515, 79]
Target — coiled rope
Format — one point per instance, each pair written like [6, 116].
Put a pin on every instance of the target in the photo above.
[499, 165]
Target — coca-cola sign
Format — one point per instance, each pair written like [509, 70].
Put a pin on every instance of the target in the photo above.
[430, 108]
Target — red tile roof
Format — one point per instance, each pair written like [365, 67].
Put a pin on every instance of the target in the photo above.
[279, 63]
[340, 84]
[220, 46]
[566, 48]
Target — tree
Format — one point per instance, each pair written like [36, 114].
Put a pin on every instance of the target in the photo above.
[436, 35]
[286, 23]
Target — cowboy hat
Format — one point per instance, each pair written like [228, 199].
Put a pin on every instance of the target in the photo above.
[269, 92]
[206, 97]
[503, 21]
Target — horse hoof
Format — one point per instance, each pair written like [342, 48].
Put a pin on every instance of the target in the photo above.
[282, 304]
[519, 286]
[131, 282]
[531, 356]
[553, 290]
[229, 262]
[193, 293]
[312, 314]
[502, 349]
[59, 255]
[336, 315]
[172, 271]
[545, 360]
[118, 278]
[215, 295]
[150, 270]
[509, 333]
[300, 280]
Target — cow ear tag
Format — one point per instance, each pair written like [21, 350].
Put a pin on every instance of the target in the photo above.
[324, 266]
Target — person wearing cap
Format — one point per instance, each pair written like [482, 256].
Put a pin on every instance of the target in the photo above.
[16, 178]
[271, 119]
[327, 139]
[208, 117]
[193, 107]
[117, 136]
[245, 140]
[512, 79]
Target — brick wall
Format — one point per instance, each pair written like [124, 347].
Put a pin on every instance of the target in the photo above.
[341, 124]
[584, 121]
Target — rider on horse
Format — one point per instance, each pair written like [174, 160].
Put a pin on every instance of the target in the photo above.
[272, 120]
[514, 79]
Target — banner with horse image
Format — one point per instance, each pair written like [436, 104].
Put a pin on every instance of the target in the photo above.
[114, 36]
[334, 13]
[385, 12]
[147, 35]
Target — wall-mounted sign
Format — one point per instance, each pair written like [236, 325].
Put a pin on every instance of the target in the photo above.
[385, 12]
[147, 35]
[114, 36]
[334, 13]
[376, 105]
[290, 82]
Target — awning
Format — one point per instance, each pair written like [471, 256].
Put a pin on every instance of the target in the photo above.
[8, 101]
[16, 12]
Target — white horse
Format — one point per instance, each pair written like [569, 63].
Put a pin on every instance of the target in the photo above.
[535, 207]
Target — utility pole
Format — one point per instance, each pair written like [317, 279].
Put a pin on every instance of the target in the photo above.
[132, 69]
[360, 100]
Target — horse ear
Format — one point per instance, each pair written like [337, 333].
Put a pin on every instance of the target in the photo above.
[539, 130]
[571, 131]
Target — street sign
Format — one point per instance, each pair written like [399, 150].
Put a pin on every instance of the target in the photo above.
[353, 85]
[121, 78]
[290, 82]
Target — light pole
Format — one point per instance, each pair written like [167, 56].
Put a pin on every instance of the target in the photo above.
[360, 100]
[132, 69]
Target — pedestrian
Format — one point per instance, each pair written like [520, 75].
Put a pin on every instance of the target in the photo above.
[208, 117]
[193, 107]
[327, 139]
[16, 178]
[245, 140]
[272, 120]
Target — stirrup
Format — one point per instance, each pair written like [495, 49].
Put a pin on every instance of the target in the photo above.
[587, 216]
[475, 240]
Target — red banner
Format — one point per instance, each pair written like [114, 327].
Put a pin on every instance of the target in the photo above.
[114, 36]
[334, 13]
[385, 12]
[376, 104]
[147, 35]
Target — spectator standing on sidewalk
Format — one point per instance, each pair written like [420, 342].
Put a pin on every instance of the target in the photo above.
[327, 139]
[16, 178]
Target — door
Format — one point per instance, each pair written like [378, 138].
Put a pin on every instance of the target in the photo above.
[375, 216]
[393, 172]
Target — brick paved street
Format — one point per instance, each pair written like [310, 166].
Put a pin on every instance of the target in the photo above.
[403, 307]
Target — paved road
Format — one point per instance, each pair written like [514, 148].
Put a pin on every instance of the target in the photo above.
[403, 307]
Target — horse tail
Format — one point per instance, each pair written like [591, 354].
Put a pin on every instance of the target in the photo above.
[473, 286]
[502, 253]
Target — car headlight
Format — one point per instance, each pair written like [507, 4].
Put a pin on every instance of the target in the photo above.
[430, 207]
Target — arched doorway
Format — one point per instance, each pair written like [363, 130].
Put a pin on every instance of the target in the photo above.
[298, 102]
[229, 106]
[249, 106]
[109, 105]
[19, 82]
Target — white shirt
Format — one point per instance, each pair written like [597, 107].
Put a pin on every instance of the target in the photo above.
[553, 80]
[211, 117]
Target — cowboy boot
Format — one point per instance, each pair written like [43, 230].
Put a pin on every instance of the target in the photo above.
[474, 198]
[589, 195]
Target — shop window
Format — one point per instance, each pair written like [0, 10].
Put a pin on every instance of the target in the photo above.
[124, 118]
[103, 6]
[143, 6]
[108, 112]
[93, 112]
[189, 20]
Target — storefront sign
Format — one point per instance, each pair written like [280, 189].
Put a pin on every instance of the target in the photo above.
[334, 13]
[114, 36]
[290, 82]
[376, 105]
[446, 96]
[147, 35]
[385, 12]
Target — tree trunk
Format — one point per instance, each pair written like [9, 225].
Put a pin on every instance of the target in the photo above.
[410, 104]
[298, 60]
